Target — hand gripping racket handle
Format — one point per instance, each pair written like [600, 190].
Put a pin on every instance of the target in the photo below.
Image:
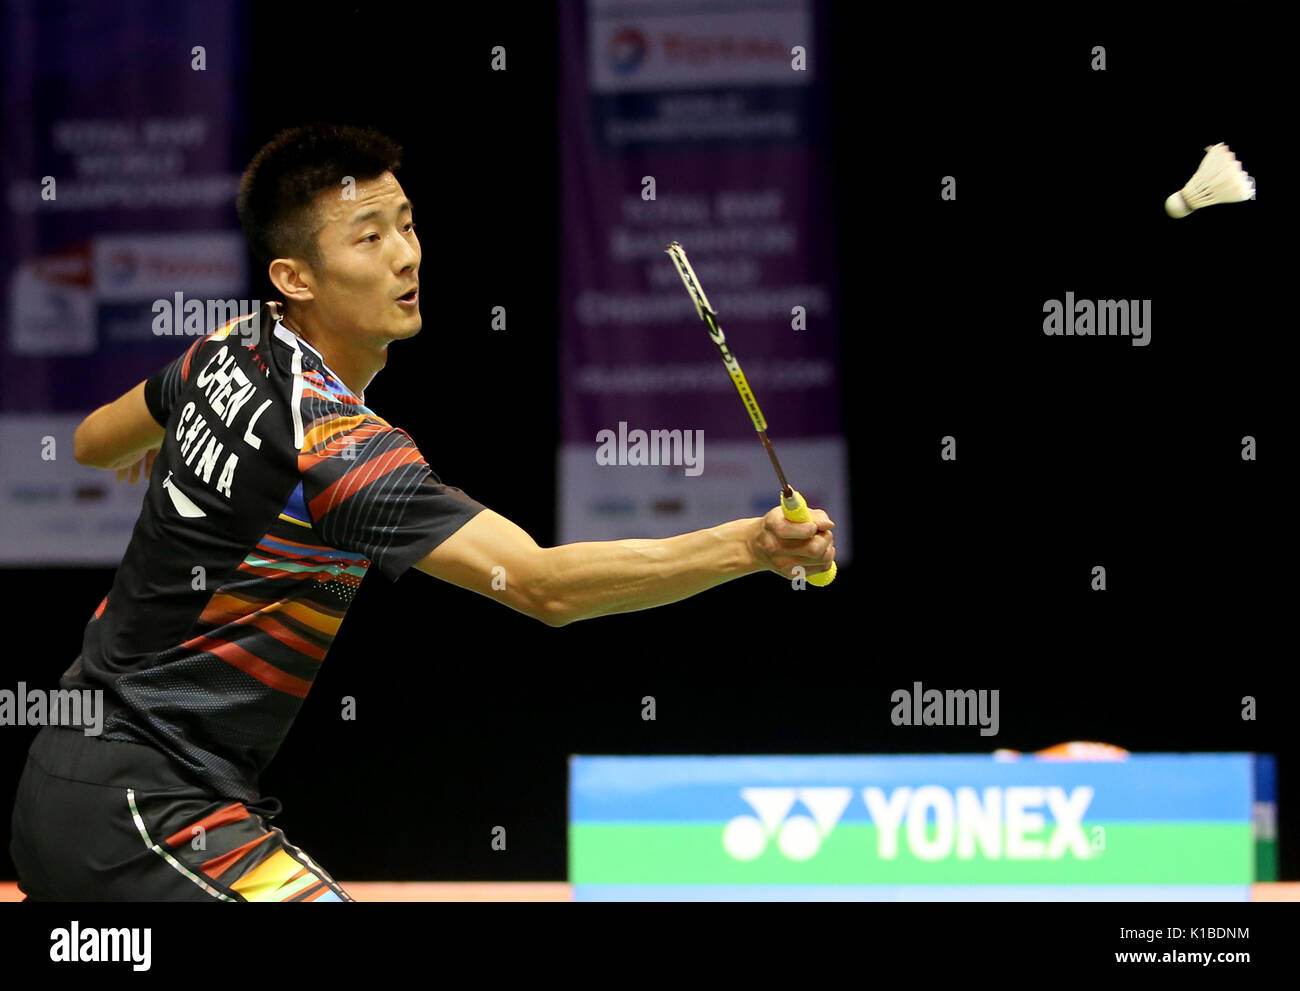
[796, 511]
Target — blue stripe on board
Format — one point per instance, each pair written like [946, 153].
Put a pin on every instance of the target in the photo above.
[1143, 788]
[1265, 778]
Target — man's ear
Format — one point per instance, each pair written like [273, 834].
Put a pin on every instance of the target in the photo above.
[288, 281]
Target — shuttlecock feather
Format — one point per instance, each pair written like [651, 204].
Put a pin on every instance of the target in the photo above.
[1219, 179]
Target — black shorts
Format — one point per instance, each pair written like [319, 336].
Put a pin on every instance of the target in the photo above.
[101, 820]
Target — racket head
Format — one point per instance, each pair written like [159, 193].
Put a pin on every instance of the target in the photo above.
[678, 254]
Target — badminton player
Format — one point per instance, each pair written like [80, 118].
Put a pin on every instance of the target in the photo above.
[273, 488]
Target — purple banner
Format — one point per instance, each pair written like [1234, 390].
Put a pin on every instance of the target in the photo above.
[122, 130]
[704, 123]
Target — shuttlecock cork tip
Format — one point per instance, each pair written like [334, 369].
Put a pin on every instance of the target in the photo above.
[1176, 206]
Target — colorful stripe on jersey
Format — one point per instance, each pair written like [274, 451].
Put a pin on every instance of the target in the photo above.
[277, 616]
[342, 447]
[318, 385]
[263, 868]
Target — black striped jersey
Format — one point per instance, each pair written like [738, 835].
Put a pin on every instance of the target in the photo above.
[274, 491]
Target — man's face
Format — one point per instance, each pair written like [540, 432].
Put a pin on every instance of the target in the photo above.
[370, 258]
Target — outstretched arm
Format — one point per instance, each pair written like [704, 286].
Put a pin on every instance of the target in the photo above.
[117, 434]
[560, 585]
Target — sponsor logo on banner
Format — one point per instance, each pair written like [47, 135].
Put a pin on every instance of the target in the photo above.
[934, 823]
[147, 266]
[708, 47]
[52, 305]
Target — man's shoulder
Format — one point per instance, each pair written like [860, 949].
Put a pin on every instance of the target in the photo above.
[331, 414]
[355, 433]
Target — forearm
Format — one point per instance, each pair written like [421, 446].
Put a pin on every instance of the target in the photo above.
[95, 447]
[128, 458]
[118, 433]
[598, 578]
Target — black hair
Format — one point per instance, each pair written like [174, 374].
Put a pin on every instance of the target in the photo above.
[277, 201]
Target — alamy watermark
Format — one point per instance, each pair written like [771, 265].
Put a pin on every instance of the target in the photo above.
[951, 708]
[182, 317]
[90, 945]
[653, 447]
[61, 707]
[1100, 318]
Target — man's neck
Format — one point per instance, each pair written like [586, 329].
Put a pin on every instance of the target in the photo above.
[354, 368]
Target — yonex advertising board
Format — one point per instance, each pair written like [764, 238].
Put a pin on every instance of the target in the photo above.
[1178, 827]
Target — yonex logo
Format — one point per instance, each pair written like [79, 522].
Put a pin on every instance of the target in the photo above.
[799, 836]
[935, 822]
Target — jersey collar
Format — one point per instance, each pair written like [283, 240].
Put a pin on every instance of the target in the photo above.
[313, 360]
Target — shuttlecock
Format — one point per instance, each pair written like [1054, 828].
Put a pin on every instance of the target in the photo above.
[1220, 179]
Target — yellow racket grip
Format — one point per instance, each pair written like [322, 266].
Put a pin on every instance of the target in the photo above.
[796, 511]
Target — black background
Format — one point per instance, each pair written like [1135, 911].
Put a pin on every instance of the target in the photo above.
[1073, 452]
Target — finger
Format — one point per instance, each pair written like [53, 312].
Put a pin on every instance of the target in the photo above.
[121, 474]
[792, 540]
[819, 550]
[816, 548]
[135, 473]
[776, 524]
[786, 530]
